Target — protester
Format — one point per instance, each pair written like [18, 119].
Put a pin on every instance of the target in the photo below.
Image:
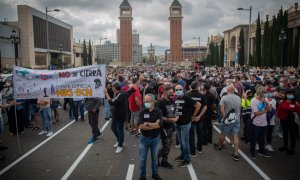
[149, 123]
[119, 112]
[93, 105]
[45, 112]
[166, 105]
[230, 107]
[187, 109]
[54, 107]
[78, 105]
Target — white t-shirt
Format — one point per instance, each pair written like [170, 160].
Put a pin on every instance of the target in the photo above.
[273, 105]
[44, 99]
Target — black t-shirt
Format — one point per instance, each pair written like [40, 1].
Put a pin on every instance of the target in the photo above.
[197, 96]
[168, 109]
[151, 117]
[211, 100]
[184, 109]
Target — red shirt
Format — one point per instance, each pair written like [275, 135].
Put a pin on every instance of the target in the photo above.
[125, 88]
[285, 108]
[160, 90]
[133, 107]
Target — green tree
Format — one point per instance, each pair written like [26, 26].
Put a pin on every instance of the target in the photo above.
[241, 50]
[265, 46]
[84, 54]
[296, 50]
[275, 43]
[258, 42]
[90, 54]
[221, 59]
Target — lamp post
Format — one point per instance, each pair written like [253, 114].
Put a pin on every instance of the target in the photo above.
[250, 11]
[47, 35]
[15, 40]
[282, 38]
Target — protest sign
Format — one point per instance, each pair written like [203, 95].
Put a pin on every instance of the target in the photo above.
[86, 81]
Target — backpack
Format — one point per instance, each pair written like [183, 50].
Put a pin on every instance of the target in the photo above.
[229, 118]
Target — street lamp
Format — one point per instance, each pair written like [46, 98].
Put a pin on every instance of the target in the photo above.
[47, 35]
[250, 11]
[282, 39]
[199, 46]
[15, 40]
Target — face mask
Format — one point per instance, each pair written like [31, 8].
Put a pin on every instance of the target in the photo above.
[147, 105]
[7, 84]
[290, 97]
[271, 95]
[228, 84]
[201, 87]
[266, 95]
[250, 96]
[179, 93]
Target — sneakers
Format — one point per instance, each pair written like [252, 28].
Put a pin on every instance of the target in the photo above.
[235, 157]
[199, 151]
[50, 133]
[156, 177]
[42, 132]
[92, 140]
[283, 148]
[265, 155]
[100, 135]
[269, 148]
[184, 164]
[179, 159]
[194, 155]
[256, 147]
[119, 149]
[177, 146]
[217, 147]
[252, 156]
[166, 164]
[116, 145]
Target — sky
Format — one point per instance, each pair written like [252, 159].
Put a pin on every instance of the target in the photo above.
[92, 19]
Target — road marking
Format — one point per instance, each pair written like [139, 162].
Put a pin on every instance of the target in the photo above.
[35, 148]
[130, 172]
[257, 169]
[192, 172]
[81, 156]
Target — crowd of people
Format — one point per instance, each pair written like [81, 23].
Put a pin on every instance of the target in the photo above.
[162, 104]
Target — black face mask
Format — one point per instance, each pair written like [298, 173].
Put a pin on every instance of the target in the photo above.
[250, 97]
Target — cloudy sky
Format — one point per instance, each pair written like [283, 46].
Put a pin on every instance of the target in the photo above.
[92, 19]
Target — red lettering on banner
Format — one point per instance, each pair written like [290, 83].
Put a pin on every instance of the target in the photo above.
[64, 74]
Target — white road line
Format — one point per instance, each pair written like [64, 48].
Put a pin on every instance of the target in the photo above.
[257, 169]
[81, 156]
[35, 148]
[130, 172]
[192, 172]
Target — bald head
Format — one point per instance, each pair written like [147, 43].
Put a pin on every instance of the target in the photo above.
[178, 87]
[230, 89]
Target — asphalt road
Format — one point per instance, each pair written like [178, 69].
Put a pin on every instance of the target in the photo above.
[68, 152]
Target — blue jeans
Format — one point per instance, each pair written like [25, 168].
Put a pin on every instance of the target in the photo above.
[258, 134]
[144, 146]
[199, 131]
[107, 113]
[183, 132]
[76, 105]
[117, 126]
[46, 118]
[71, 111]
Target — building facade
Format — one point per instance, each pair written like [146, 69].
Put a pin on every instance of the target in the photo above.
[33, 39]
[232, 44]
[77, 60]
[125, 34]
[137, 48]
[175, 32]
[108, 52]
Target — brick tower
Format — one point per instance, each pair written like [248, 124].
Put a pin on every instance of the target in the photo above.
[125, 33]
[175, 32]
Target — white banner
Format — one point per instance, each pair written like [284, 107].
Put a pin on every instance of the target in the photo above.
[86, 81]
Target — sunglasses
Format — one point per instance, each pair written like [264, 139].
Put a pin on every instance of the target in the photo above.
[178, 89]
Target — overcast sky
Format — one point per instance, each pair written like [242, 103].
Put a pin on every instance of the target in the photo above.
[92, 19]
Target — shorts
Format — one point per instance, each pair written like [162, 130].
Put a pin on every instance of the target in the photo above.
[134, 117]
[233, 128]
